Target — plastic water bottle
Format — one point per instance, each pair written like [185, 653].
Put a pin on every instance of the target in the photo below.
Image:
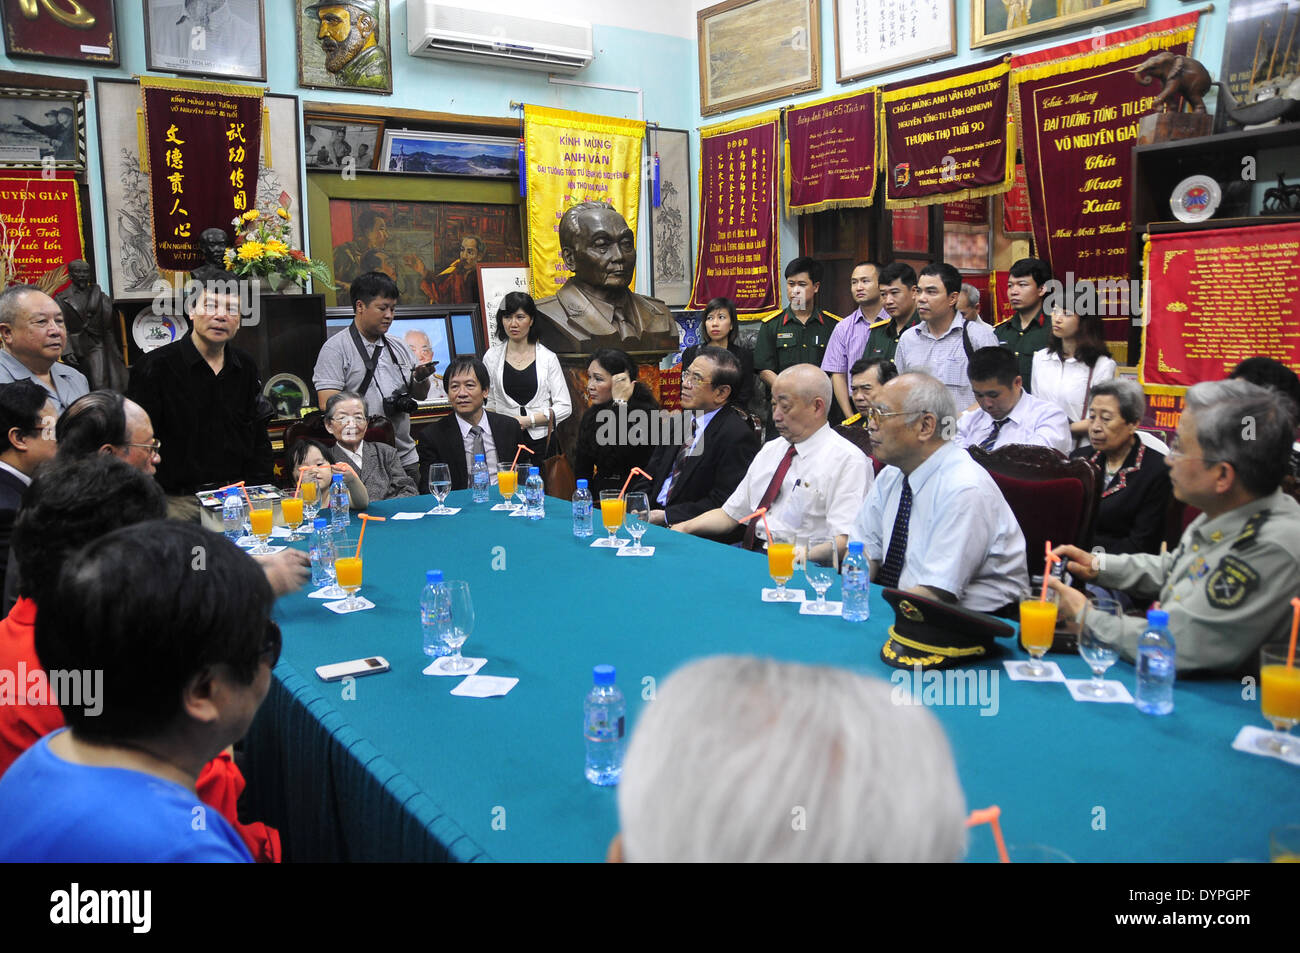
[603, 714]
[582, 511]
[1155, 666]
[855, 585]
[340, 502]
[321, 550]
[435, 613]
[534, 495]
[232, 515]
[478, 478]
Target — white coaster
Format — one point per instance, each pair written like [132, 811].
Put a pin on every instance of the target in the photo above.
[644, 551]
[1118, 691]
[502, 507]
[1249, 734]
[604, 543]
[770, 595]
[323, 593]
[450, 511]
[341, 606]
[270, 551]
[246, 542]
[280, 532]
[408, 516]
[484, 686]
[435, 667]
[519, 512]
[1053, 674]
[832, 608]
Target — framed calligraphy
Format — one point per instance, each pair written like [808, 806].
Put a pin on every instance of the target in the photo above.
[876, 36]
[344, 46]
[215, 40]
[994, 22]
[84, 32]
[41, 128]
[754, 51]
[494, 283]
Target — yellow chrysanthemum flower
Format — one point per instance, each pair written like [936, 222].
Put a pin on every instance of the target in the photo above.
[276, 247]
[251, 214]
[250, 251]
[282, 213]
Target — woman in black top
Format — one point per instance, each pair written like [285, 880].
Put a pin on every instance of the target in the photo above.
[604, 455]
[1135, 480]
[721, 329]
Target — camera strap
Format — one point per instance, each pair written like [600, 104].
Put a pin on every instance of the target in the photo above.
[371, 361]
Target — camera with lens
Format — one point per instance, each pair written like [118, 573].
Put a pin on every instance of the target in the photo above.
[400, 402]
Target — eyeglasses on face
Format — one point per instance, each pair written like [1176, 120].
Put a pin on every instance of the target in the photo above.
[1176, 452]
[153, 446]
[875, 416]
[695, 378]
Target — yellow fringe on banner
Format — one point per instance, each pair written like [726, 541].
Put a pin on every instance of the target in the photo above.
[791, 210]
[266, 136]
[1111, 54]
[142, 140]
[734, 125]
[199, 86]
[952, 82]
[546, 116]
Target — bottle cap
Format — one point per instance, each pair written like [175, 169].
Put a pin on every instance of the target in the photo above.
[338, 478]
[319, 523]
[480, 458]
[432, 576]
[582, 484]
[603, 675]
[534, 471]
[1157, 617]
[855, 547]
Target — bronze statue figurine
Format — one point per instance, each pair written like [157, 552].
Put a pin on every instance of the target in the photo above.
[88, 314]
[1182, 76]
[212, 244]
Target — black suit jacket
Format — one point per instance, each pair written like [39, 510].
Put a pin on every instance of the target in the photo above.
[441, 442]
[11, 498]
[711, 474]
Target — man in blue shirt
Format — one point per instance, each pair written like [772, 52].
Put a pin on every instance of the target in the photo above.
[159, 670]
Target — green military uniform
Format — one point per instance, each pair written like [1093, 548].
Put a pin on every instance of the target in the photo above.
[883, 342]
[367, 70]
[1025, 341]
[1227, 587]
[783, 342]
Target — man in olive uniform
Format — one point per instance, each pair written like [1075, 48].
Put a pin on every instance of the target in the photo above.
[1228, 585]
[1029, 330]
[349, 35]
[898, 293]
[799, 334]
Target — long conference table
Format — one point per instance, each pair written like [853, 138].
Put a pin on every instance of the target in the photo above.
[404, 771]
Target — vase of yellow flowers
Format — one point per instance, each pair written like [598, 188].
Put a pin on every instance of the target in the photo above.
[263, 250]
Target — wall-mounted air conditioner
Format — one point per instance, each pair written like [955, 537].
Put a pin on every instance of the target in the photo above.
[461, 31]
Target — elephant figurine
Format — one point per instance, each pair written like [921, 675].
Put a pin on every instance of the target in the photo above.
[1181, 75]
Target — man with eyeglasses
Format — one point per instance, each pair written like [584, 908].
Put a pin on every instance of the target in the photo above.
[934, 522]
[34, 337]
[720, 443]
[1227, 586]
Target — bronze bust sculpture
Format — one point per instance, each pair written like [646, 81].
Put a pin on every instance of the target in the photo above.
[212, 243]
[595, 308]
[88, 314]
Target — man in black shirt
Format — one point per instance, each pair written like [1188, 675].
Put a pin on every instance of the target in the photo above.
[201, 394]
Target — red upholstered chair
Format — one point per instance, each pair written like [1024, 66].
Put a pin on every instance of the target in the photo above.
[1052, 497]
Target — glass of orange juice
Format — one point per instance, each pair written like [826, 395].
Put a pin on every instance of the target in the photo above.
[507, 481]
[611, 514]
[291, 510]
[262, 518]
[1279, 698]
[348, 570]
[780, 564]
[1037, 629]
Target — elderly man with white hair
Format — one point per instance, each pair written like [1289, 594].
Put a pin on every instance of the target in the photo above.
[743, 759]
[810, 479]
[34, 337]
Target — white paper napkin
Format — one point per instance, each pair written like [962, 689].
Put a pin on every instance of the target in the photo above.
[322, 594]
[1118, 691]
[770, 595]
[451, 511]
[832, 608]
[1053, 674]
[484, 686]
[435, 667]
[408, 516]
[1250, 734]
[604, 543]
[341, 607]
[645, 551]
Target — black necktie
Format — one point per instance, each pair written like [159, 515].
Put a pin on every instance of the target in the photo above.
[681, 460]
[893, 566]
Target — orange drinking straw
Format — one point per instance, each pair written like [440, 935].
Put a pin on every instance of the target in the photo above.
[990, 815]
[298, 488]
[1295, 626]
[1047, 569]
[635, 471]
[520, 448]
[364, 520]
[761, 511]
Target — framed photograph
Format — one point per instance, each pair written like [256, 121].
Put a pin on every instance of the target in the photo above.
[670, 223]
[754, 51]
[494, 283]
[328, 142]
[206, 38]
[876, 36]
[127, 205]
[40, 126]
[431, 333]
[447, 153]
[87, 33]
[345, 46]
[994, 22]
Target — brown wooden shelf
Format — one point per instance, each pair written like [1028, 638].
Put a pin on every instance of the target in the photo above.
[486, 124]
[1244, 221]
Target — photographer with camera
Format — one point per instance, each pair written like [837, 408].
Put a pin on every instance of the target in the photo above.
[366, 360]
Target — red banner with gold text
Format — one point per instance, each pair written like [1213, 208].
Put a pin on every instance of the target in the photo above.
[42, 218]
[738, 254]
[202, 141]
[830, 153]
[1215, 298]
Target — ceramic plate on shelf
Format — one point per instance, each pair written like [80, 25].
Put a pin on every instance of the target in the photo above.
[1195, 199]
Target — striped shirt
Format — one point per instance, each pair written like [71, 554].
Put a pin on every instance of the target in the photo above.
[943, 357]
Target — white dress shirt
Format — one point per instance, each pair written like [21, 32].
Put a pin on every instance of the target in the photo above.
[1032, 421]
[26, 480]
[701, 424]
[353, 458]
[944, 357]
[962, 536]
[821, 493]
[489, 445]
[1066, 383]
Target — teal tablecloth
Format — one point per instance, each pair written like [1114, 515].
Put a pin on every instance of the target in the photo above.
[407, 771]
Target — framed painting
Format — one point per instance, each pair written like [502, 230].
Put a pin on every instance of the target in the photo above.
[994, 22]
[670, 223]
[449, 153]
[220, 41]
[345, 46]
[329, 142]
[876, 36]
[754, 51]
[428, 235]
[81, 32]
[433, 332]
[128, 213]
[42, 127]
[494, 283]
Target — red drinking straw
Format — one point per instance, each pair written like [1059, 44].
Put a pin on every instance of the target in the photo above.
[519, 448]
[1047, 569]
[364, 520]
[1295, 626]
[761, 511]
[990, 815]
[635, 471]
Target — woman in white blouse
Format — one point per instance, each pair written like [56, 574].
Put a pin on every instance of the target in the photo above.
[527, 382]
[1075, 359]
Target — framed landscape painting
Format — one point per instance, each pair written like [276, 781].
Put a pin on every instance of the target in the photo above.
[754, 51]
[1000, 21]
